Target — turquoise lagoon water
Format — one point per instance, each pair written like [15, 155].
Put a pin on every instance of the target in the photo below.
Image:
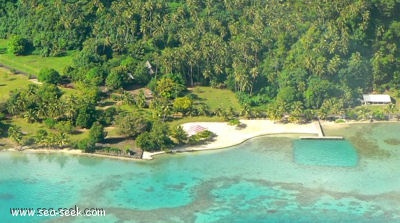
[328, 152]
[257, 181]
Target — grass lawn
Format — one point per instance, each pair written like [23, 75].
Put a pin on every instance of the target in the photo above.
[82, 134]
[9, 82]
[33, 63]
[216, 98]
[28, 129]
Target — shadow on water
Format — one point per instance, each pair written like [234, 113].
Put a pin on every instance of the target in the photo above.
[61, 159]
[89, 161]
[19, 158]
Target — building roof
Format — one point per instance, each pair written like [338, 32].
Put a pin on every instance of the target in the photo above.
[376, 98]
[194, 129]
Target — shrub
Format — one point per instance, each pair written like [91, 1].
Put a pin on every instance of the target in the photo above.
[379, 115]
[132, 124]
[201, 137]
[156, 139]
[13, 71]
[107, 116]
[146, 142]
[340, 121]
[180, 135]
[87, 145]
[234, 122]
[205, 135]
[97, 133]
[50, 76]
[115, 78]
[64, 126]
[95, 76]
[28, 141]
[18, 46]
[50, 123]
[182, 104]
[86, 116]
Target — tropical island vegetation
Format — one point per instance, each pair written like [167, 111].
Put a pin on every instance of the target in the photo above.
[118, 74]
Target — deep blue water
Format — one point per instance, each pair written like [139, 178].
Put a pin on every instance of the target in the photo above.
[258, 181]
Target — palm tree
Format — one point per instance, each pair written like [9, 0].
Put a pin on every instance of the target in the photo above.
[247, 112]
[15, 133]
[141, 99]
[275, 113]
[30, 115]
[364, 113]
[62, 139]
[390, 109]
[202, 109]
[70, 106]
[219, 112]
[297, 111]
[40, 137]
[180, 135]
[254, 74]
[128, 98]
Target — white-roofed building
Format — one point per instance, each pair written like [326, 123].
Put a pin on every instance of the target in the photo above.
[376, 99]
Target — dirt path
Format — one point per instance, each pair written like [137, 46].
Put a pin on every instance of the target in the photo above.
[16, 71]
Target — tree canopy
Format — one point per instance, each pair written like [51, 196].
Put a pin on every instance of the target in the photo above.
[288, 56]
[268, 48]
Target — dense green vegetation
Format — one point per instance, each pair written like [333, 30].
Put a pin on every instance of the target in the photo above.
[304, 59]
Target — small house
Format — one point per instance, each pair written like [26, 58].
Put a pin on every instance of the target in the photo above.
[376, 99]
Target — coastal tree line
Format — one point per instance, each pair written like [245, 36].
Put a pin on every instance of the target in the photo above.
[303, 58]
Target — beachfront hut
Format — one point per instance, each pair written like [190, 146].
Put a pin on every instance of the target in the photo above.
[376, 99]
[194, 129]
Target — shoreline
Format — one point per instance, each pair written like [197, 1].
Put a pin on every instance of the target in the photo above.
[68, 152]
[226, 136]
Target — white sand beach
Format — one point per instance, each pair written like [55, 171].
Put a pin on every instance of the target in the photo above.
[227, 135]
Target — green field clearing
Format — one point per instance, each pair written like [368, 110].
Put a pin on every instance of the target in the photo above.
[33, 63]
[217, 98]
[29, 129]
[80, 135]
[9, 82]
